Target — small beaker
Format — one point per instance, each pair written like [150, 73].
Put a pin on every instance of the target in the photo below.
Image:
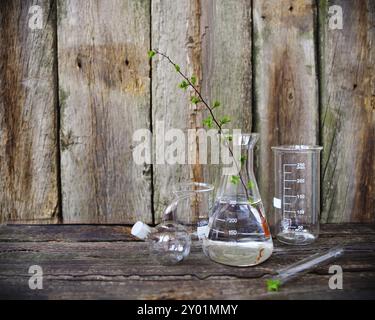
[191, 207]
[297, 193]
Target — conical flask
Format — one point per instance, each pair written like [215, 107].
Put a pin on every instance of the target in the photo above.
[238, 231]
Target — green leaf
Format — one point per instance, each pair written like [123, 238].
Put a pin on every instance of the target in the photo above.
[250, 185]
[234, 179]
[151, 53]
[224, 120]
[208, 122]
[195, 99]
[251, 200]
[183, 84]
[216, 104]
[224, 137]
[177, 67]
[273, 284]
[193, 80]
[243, 159]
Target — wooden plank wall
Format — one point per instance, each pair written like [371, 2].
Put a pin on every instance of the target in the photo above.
[348, 112]
[73, 93]
[227, 65]
[104, 91]
[171, 21]
[28, 114]
[286, 84]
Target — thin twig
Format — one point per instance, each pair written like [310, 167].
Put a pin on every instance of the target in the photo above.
[210, 109]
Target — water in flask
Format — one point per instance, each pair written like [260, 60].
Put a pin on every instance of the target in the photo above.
[239, 234]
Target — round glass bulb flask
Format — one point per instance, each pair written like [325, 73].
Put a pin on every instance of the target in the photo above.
[296, 200]
[238, 231]
[169, 242]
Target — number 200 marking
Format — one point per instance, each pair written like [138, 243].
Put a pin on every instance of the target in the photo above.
[301, 166]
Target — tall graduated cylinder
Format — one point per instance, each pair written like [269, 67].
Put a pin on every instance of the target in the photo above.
[296, 200]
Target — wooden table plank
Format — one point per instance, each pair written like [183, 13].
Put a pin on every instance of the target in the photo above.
[64, 232]
[105, 233]
[78, 265]
[357, 286]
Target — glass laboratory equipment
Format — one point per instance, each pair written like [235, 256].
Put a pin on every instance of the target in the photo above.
[238, 231]
[186, 217]
[297, 193]
[169, 243]
[192, 210]
[304, 266]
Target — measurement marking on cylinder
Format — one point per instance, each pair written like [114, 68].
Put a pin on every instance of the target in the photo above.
[294, 180]
[288, 182]
[301, 166]
[218, 231]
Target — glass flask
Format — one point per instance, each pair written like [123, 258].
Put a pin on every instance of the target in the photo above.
[168, 242]
[238, 231]
[296, 200]
[193, 206]
[186, 217]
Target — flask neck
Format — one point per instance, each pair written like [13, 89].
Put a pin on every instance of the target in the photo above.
[247, 165]
[141, 230]
[241, 186]
[247, 143]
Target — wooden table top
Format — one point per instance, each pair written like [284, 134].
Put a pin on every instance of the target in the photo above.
[105, 262]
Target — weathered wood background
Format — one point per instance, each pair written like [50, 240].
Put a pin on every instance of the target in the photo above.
[73, 92]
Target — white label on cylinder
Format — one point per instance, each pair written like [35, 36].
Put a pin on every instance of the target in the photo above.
[277, 203]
